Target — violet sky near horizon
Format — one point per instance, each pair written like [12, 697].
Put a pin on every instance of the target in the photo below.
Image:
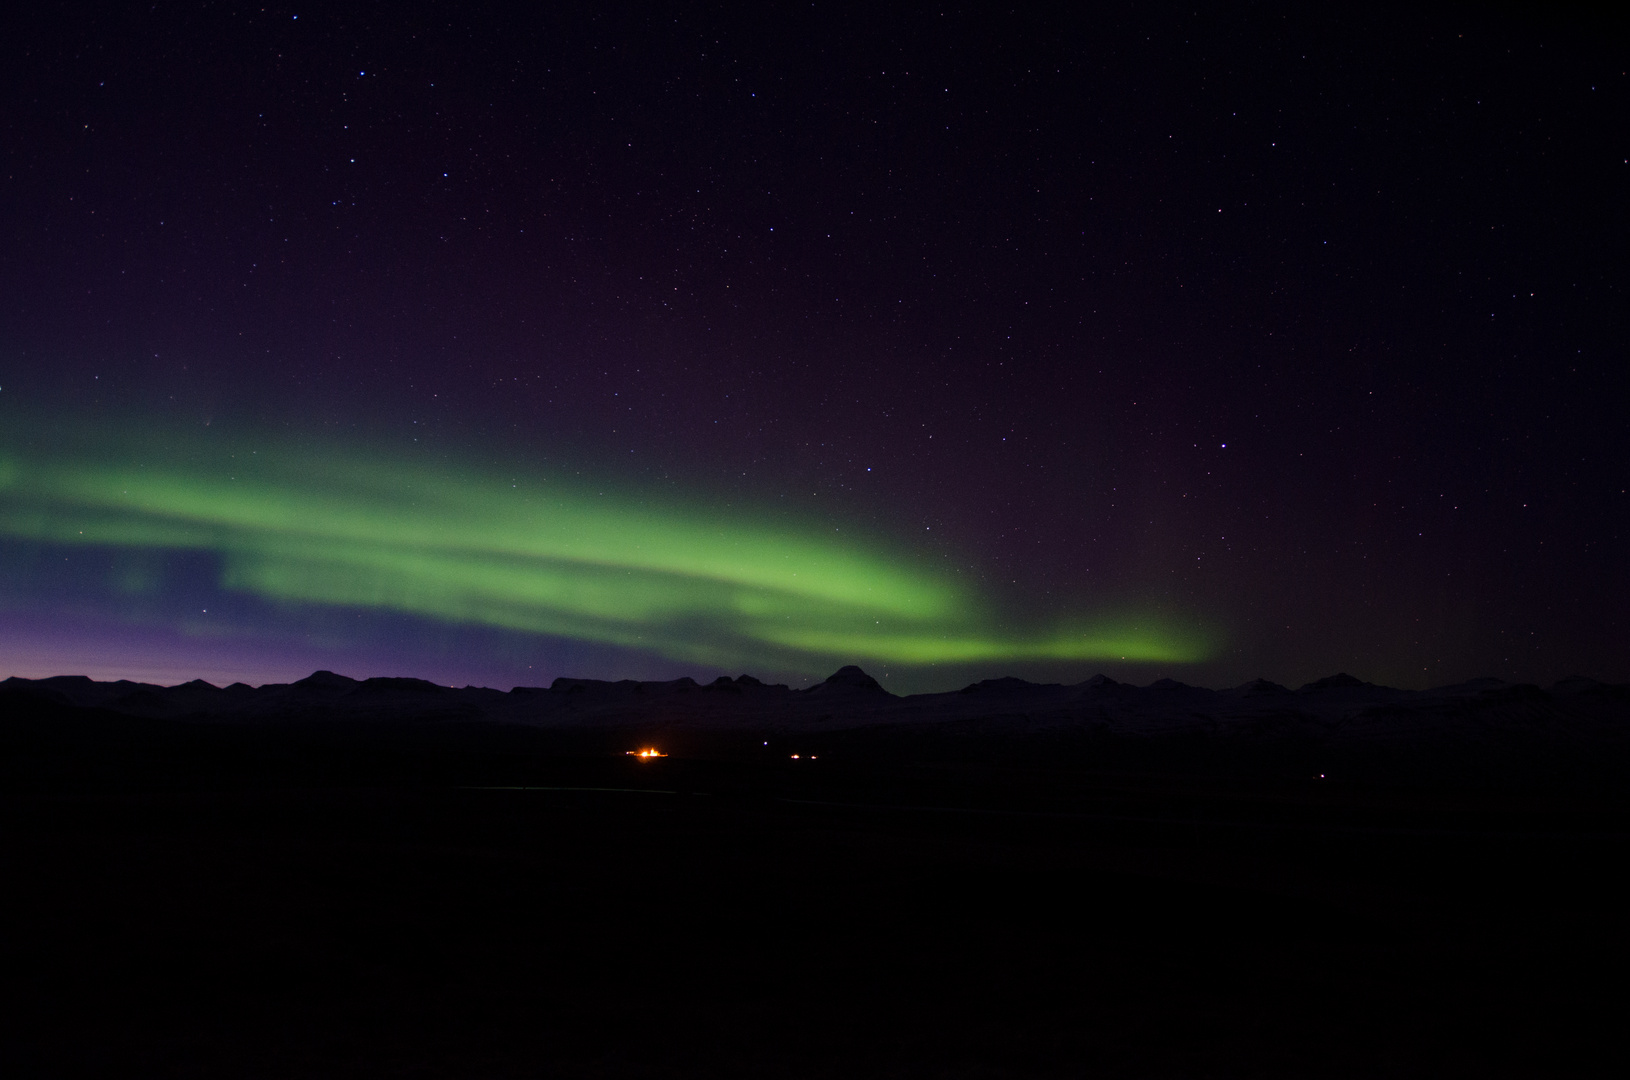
[489, 346]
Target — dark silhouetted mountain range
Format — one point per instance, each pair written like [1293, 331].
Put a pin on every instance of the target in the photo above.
[1483, 731]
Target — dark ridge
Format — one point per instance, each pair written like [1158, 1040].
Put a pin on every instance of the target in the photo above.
[326, 680]
[1005, 683]
[1342, 681]
[850, 678]
[1518, 692]
[568, 684]
[1261, 686]
[30, 690]
[63, 682]
[1471, 686]
[392, 685]
[1590, 688]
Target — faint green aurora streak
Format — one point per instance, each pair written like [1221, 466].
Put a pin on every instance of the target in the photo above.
[333, 526]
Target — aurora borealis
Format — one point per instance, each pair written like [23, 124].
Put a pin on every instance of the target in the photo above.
[324, 526]
[500, 346]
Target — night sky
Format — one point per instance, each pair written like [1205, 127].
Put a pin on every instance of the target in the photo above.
[955, 342]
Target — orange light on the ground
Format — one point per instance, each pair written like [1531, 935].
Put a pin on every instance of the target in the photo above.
[648, 752]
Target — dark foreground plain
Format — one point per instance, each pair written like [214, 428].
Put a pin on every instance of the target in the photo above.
[405, 892]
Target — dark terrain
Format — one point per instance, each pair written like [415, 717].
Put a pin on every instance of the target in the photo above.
[389, 878]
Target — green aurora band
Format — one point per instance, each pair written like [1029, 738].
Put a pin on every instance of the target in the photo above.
[302, 524]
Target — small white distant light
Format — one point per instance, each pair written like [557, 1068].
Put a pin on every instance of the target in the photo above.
[795, 757]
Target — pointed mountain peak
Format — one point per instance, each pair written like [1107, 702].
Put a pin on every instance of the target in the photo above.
[850, 678]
